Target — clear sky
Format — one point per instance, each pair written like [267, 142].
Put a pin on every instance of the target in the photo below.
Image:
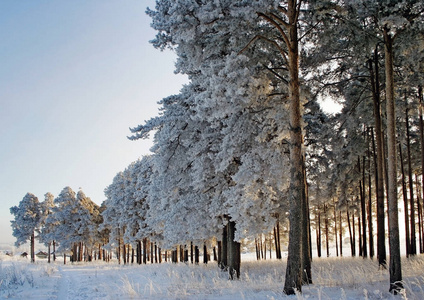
[74, 76]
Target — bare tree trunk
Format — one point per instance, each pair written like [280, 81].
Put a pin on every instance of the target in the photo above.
[48, 249]
[192, 249]
[364, 212]
[54, 250]
[370, 225]
[261, 247]
[277, 237]
[234, 255]
[379, 176]
[352, 244]
[293, 280]
[341, 234]
[185, 254]
[224, 248]
[205, 254]
[32, 247]
[405, 203]
[219, 253]
[411, 188]
[335, 227]
[420, 96]
[395, 269]
[420, 213]
[145, 251]
[360, 235]
[306, 234]
[354, 234]
[196, 255]
[327, 237]
[319, 234]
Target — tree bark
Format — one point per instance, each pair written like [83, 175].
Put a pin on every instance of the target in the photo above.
[420, 213]
[234, 255]
[352, 244]
[381, 231]
[293, 280]
[341, 234]
[395, 262]
[364, 212]
[405, 203]
[224, 248]
[413, 239]
[306, 234]
[191, 252]
[48, 249]
[420, 96]
[370, 223]
[319, 234]
[335, 227]
[278, 243]
[196, 255]
[219, 253]
[205, 254]
[32, 247]
[145, 251]
[327, 237]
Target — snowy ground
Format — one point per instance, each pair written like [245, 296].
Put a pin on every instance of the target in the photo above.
[346, 278]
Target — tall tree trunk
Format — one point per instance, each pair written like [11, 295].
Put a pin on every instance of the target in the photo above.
[327, 236]
[335, 227]
[124, 253]
[379, 176]
[278, 244]
[353, 234]
[219, 253]
[420, 96]
[196, 255]
[293, 280]
[48, 249]
[360, 235]
[234, 255]
[352, 244]
[420, 214]
[145, 251]
[224, 248]
[405, 203]
[395, 269]
[411, 188]
[370, 224]
[54, 250]
[306, 234]
[341, 234]
[205, 254]
[318, 230]
[192, 249]
[32, 247]
[261, 247]
[364, 212]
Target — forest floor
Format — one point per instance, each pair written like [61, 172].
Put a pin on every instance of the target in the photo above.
[334, 278]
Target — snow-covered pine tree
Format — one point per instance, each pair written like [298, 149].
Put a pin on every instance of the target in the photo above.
[47, 209]
[27, 221]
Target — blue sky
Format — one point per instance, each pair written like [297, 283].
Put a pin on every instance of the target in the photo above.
[74, 76]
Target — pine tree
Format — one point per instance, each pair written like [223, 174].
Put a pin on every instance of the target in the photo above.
[27, 221]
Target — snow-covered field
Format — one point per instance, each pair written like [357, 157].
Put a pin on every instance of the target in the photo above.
[334, 278]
